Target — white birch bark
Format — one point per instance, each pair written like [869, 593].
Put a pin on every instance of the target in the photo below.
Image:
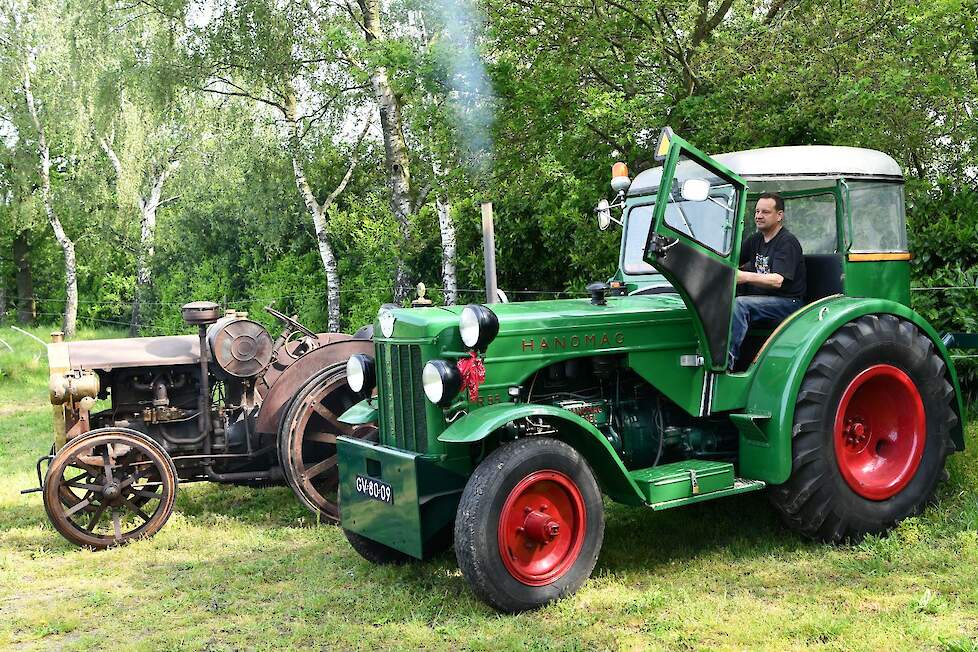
[448, 242]
[443, 206]
[149, 205]
[67, 246]
[395, 147]
[318, 212]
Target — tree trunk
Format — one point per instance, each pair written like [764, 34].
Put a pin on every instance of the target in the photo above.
[332, 281]
[326, 254]
[448, 242]
[67, 246]
[448, 247]
[148, 206]
[3, 302]
[318, 212]
[395, 148]
[147, 234]
[26, 306]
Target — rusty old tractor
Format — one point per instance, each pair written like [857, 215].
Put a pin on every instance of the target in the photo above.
[135, 417]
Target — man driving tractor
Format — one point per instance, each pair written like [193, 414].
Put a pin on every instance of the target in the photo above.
[771, 275]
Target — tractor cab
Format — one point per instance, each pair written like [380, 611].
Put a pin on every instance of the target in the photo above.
[684, 222]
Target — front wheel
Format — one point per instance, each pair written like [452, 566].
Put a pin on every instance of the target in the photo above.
[109, 487]
[529, 525]
[871, 432]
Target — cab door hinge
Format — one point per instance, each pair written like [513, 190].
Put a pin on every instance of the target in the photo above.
[691, 360]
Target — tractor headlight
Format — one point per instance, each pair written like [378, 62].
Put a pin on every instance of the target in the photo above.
[360, 373]
[478, 326]
[387, 319]
[442, 381]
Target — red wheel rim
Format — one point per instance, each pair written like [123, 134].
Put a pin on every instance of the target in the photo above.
[880, 430]
[541, 527]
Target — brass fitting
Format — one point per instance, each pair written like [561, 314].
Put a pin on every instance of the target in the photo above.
[72, 386]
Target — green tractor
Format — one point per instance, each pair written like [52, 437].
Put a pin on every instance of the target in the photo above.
[501, 426]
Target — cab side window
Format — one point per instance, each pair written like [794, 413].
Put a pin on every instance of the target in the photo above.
[878, 216]
[812, 220]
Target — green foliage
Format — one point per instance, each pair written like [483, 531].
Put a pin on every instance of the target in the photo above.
[943, 230]
[572, 91]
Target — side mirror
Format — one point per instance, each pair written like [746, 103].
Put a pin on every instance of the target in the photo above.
[603, 211]
[696, 190]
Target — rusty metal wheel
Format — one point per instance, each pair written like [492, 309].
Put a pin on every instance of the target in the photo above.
[307, 440]
[108, 487]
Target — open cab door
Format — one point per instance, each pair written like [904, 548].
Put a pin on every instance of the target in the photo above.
[695, 238]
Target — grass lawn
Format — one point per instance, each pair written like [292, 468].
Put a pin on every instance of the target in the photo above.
[240, 568]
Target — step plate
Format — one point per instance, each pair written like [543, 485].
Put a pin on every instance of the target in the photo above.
[740, 486]
[685, 479]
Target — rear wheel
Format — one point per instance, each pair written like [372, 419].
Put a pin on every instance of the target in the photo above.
[307, 440]
[871, 432]
[530, 524]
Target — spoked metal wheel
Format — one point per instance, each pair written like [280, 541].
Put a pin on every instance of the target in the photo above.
[108, 487]
[307, 440]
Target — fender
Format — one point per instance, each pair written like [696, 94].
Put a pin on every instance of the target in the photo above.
[571, 429]
[279, 395]
[766, 428]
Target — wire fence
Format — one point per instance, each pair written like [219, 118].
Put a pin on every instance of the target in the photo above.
[50, 313]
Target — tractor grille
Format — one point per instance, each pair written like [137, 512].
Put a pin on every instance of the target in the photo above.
[402, 407]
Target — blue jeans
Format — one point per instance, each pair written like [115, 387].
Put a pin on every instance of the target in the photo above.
[752, 309]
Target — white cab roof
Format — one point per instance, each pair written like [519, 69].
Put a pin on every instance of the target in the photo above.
[798, 162]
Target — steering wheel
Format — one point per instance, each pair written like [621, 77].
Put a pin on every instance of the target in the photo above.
[289, 322]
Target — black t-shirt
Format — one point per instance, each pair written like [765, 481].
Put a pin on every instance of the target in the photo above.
[781, 255]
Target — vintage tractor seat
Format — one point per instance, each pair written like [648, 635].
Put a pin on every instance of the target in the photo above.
[823, 274]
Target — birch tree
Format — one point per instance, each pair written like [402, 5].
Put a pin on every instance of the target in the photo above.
[67, 246]
[148, 201]
[398, 162]
[285, 61]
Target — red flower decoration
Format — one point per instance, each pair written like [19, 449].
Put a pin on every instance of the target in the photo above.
[473, 374]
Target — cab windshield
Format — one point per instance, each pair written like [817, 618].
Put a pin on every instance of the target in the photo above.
[709, 221]
[637, 225]
[702, 206]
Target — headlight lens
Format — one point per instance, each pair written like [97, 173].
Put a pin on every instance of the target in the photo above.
[478, 326]
[360, 373]
[442, 381]
[387, 320]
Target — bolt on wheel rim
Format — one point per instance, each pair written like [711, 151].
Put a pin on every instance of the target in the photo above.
[541, 527]
[880, 431]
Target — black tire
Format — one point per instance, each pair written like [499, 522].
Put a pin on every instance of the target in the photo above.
[374, 552]
[479, 535]
[818, 500]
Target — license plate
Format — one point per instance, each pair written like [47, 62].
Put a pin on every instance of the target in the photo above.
[375, 489]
